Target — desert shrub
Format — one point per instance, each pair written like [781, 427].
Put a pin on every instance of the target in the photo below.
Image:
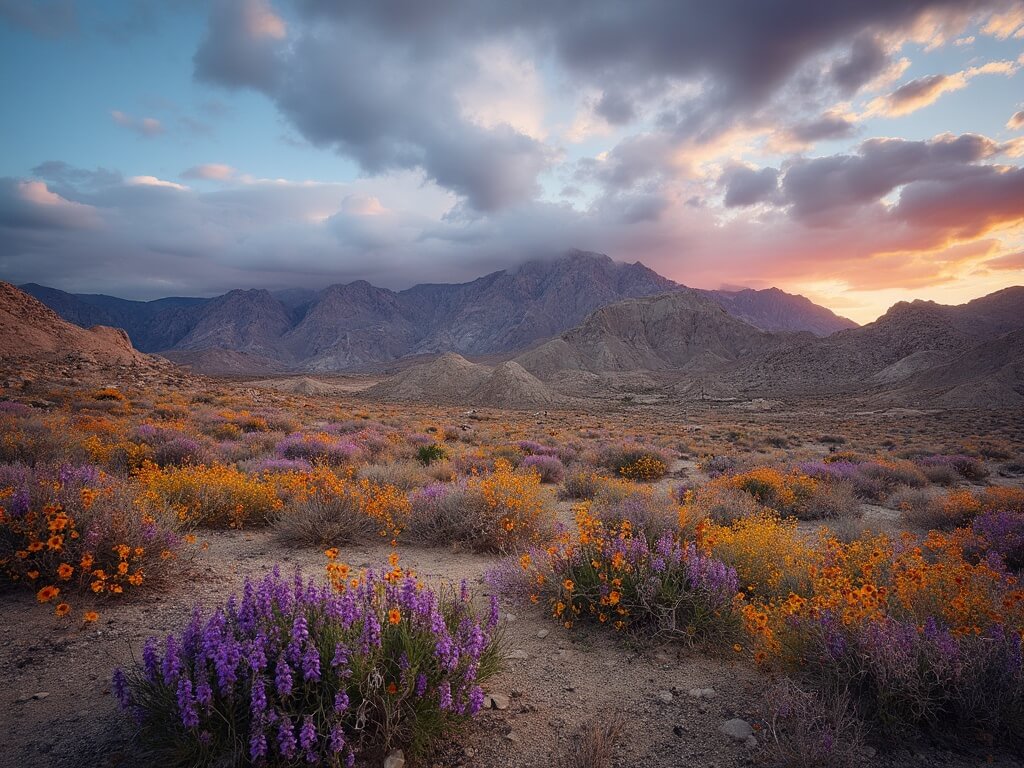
[581, 484]
[473, 463]
[966, 467]
[319, 447]
[722, 504]
[294, 674]
[401, 474]
[428, 454]
[634, 461]
[716, 466]
[274, 464]
[810, 729]
[328, 509]
[74, 531]
[665, 589]
[1001, 533]
[502, 511]
[533, 448]
[109, 393]
[940, 474]
[215, 496]
[878, 479]
[35, 440]
[549, 468]
[956, 508]
[785, 493]
[643, 508]
[924, 638]
[829, 501]
[770, 556]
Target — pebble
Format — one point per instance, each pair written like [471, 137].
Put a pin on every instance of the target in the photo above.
[510, 617]
[665, 696]
[495, 701]
[702, 693]
[542, 633]
[30, 696]
[516, 654]
[736, 729]
[395, 759]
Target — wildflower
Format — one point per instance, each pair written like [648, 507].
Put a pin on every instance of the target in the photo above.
[394, 616]
[55, 542]
[63, 609]
[46, 594]
[64, 571]
[90, 616]
[569, 586]
[331, 553]
[86, 561]
[35, 546]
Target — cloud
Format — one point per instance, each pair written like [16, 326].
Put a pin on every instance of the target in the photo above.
[210, 172]
[153, 181]
[745, 186]
[44, 18]
[924, 91]
[28, 205]
[438, 99]
[1016, 121]
[144, 126]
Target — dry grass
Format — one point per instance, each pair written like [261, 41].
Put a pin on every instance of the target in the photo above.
[593, 745]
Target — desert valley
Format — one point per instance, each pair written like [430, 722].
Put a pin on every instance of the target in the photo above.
[580, 385]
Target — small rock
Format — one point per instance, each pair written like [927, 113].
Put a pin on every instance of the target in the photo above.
[40, 696]
[665, 696]
[870, 752]
[510, 617]
[497, 700]
[542, 633]
[516, 654]
[737, 729]
[511, 736]
[751, 742]
[395, 759]
[708, 693]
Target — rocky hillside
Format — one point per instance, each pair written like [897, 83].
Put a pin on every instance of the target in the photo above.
[31, 330]
[357, 324]
[911, 339]
[773, 310]
[683, 330]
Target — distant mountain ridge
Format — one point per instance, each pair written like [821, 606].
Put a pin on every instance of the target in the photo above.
[346, 326]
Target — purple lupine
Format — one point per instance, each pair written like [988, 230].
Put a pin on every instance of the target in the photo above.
[283, 678]
[444, 696]
[187, 703]
[340, 702]
[307, 739]
[150, 665]
[311, 663]
[336, 741]
[421, 684]
[286, 743]
[120, 688]
[476, 699]
[258, 745]
[258, 698]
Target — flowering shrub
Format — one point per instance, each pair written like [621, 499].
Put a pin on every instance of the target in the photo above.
[217, 496]
[325, 508]
[1001, 533]
[922, 636]
[770, 557]
[786, 493]
[320, 447]
[73, 531]
[615, 576]
[296, 674]
[499, 512]
[644, 508]
[549, 468]
[634, 462]
[583, 484]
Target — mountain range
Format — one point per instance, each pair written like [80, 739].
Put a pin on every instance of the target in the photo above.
[354, 325]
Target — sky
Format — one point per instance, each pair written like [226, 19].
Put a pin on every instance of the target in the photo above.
[860, 152]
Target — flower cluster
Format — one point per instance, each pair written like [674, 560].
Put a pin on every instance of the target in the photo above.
[70, 531]
[299, 674]
[617, 576]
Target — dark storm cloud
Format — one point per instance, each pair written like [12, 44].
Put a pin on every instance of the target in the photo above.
[819, 188]
[746, 186]
[374, 80]
[866, 59]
